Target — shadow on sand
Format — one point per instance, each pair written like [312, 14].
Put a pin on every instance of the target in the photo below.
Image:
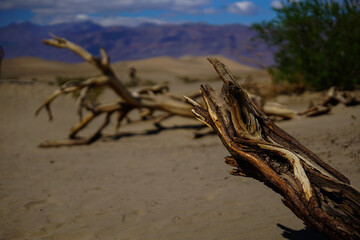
[159, 128]
[302, 234]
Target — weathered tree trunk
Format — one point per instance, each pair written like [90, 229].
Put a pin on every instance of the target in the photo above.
[318, 194]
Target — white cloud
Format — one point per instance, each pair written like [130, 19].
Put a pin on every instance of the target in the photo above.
[243, 8]
[58, 11]
[11, 4]
[82, 17]
[105, 5]
[186, 5]
[104, 21]
[127, 21]
[276, 4]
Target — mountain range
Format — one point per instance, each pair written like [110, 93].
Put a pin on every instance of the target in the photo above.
[130, 43]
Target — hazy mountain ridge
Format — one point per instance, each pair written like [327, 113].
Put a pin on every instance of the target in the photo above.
[127, 43]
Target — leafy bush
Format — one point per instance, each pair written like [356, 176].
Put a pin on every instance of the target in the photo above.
[317, 42]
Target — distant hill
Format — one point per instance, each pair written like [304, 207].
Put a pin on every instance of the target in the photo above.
[131, 43]
[157, 69]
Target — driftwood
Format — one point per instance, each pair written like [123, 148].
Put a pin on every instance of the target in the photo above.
[147, 100]
[150, 99]
[318, 194]
[333, 98]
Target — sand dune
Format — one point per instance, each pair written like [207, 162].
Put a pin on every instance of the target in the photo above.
[26, 68]
[159, 69]
[140, 186]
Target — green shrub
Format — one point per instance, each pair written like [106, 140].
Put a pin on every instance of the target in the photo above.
[317, 42]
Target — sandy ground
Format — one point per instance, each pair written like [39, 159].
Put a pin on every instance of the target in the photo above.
[159, 69]
[164, 185]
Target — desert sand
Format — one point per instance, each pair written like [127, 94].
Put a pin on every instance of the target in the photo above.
[144, 184]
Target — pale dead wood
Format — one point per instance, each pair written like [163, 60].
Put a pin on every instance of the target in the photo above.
[156, 102]
[281, 112]
[71, 87]
[318, 194]
[147, 100]
[334, 97]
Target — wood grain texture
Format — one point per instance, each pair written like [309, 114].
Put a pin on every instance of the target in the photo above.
[317, 193]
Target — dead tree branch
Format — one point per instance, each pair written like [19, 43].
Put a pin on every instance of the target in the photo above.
[318, 194]
[333, 98]
[147, 100]
[71, 87]
[151, 99]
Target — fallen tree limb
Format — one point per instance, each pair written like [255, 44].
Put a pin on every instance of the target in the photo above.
[71, 87]
[318, 194]
[333, 98]
[147, 100]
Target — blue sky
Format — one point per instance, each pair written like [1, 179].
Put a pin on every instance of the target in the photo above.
[135, 12]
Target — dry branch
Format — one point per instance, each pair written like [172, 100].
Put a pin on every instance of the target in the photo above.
[333, 98]
[71, 87]
[148, 100]
[318, 194]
